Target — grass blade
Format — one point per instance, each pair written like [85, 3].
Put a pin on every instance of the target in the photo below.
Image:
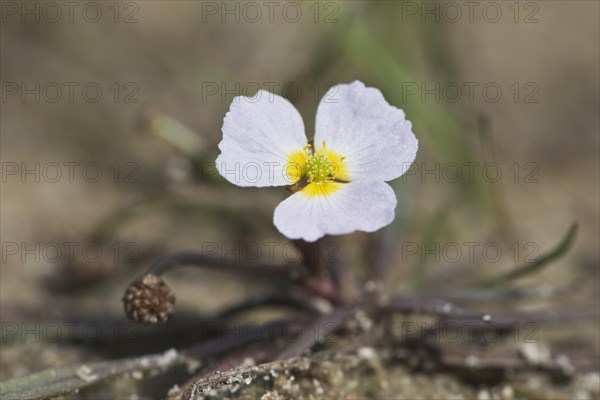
[532, 267]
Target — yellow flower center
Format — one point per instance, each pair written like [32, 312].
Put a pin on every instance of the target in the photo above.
[316, 173]
[318, 168]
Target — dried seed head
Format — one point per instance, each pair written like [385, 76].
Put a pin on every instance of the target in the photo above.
[149, 300]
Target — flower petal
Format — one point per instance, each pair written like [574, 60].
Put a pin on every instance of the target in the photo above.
[359, 124]
[260, 134]
[360, 205]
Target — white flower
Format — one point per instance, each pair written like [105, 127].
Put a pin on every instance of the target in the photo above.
[339, 181]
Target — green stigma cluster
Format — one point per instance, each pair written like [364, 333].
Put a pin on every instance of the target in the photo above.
[318, 168]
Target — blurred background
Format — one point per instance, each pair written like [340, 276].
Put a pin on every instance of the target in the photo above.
[111, 116]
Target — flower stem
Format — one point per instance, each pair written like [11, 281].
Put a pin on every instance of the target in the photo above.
[149, 299]
[319, 278]
[196, 259]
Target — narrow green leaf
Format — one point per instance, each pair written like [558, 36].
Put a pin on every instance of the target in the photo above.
[529, 268]
[60, 381]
